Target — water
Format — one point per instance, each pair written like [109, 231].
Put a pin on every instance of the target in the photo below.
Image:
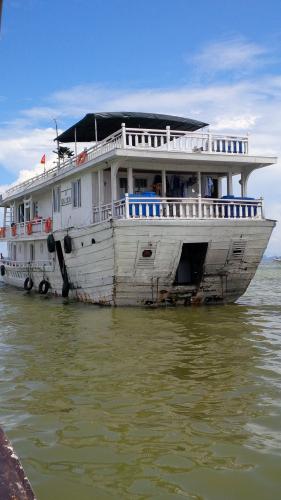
[138, 403]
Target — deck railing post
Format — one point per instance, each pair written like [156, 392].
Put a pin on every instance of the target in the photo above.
[209, 142]
[127, 211]
[262, 208]
[168, 135]
[123, 135]
[199, 207]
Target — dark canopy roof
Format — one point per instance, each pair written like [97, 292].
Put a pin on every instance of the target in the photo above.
[108, 123]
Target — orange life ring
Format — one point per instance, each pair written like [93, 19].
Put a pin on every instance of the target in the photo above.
[81, 158]
[48, 225]
[29, 228]
[2, 232]
[14, 230]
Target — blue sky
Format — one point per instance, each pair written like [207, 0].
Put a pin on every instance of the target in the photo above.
[218, 61]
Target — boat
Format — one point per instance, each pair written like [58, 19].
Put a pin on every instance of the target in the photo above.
[138, 210]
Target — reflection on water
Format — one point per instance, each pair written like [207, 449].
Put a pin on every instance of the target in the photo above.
[139, 403]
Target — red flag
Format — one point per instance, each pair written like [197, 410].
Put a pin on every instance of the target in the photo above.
[43, 160]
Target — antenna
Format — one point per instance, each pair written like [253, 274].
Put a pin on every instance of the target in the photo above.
[57, 135]
[1, 8]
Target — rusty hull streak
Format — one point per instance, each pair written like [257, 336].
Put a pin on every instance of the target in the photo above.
[14, 484]
[86, 299]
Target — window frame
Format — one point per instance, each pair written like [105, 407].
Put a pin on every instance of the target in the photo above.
[57, 199]
[76, 193]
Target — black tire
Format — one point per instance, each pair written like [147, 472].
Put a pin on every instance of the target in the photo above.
[28, 284]
[51, 244]
[3, 270]
[65, 289]
[43, 287]
[67, 243]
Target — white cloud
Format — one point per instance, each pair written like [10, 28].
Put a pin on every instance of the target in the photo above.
[234, 54]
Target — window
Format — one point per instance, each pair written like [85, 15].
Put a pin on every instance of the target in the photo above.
[140, 185]
[76, 193]
[56, 199]
[123, 184]
[35, 209]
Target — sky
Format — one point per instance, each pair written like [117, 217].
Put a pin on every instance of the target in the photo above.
[217, 61]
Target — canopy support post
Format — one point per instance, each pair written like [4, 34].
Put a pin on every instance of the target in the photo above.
[130, 181]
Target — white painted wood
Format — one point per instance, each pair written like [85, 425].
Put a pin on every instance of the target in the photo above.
[130, 180]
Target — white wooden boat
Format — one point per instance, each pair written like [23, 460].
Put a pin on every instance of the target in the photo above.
[139, 217]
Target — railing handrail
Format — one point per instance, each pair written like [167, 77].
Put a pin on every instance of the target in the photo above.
[101, 147]
[33, 263]
[180, 208]
[186, 133]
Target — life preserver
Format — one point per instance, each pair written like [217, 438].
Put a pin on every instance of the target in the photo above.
[14, 230]
[48, 225]
[51, 244]
[28, 284]
[2, 232]
[43, 287]
[67, 243]
[29, 228]
[81, 158]
[2, 270]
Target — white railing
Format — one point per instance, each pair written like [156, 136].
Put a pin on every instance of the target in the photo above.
[177, 140]
[179, 208]
[30, 228]
[111, 142]
[35, 265]
[145, 139]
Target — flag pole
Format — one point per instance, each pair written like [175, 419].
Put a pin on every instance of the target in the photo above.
[58, 146]
[96, 131]
[75, 139]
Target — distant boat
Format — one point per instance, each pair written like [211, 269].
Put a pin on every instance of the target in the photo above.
[277, 259]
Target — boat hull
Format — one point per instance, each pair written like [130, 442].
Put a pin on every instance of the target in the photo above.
[108, 266]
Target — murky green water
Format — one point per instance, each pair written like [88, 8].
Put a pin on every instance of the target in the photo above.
[136, 403]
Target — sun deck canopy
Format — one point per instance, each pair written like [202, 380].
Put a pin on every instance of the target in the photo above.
[108, 123]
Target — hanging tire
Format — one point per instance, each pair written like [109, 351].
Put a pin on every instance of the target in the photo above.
[51, 244]
[65, 289]
[28, 284]
[67, 243]
[43, 287]
[2, 270]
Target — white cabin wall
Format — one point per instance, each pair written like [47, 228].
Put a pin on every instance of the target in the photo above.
[70, 216]
[95, 188]
[107, 186]
[44, 204]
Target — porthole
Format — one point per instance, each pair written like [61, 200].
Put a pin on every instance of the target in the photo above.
[147, 253]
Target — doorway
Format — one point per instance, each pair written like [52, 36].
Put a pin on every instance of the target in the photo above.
[190, 268]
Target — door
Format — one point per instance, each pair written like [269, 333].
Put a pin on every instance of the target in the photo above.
[190, 268]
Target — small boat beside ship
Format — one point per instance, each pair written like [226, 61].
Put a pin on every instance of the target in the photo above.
[144, 215]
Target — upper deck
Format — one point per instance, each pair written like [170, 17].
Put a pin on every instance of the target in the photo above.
[166, 144]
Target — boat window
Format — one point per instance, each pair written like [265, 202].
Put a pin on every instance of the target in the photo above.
[76, 193]
[140, 185]
[21, 212]
[56, 199]
[123, 183]
[35, 209]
